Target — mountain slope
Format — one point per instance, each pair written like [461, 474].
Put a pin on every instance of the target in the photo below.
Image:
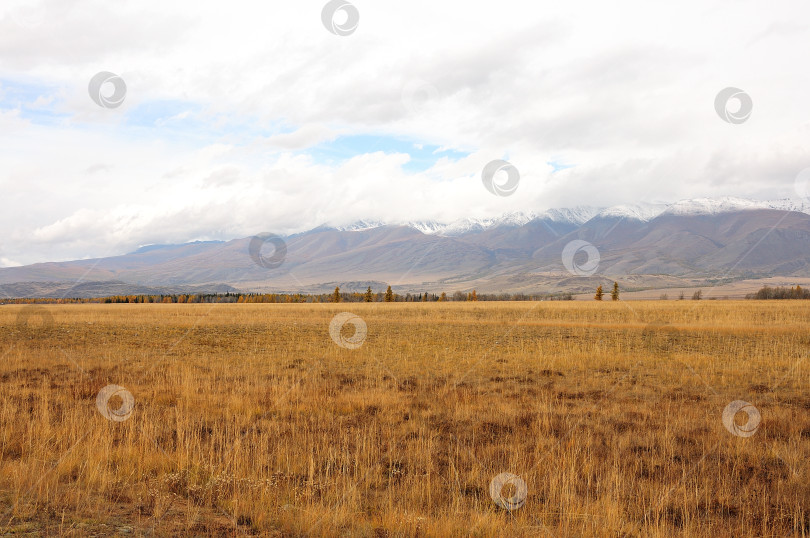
[702, 239]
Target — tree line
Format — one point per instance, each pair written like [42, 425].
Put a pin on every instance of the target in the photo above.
[767, 292]
[369, 296]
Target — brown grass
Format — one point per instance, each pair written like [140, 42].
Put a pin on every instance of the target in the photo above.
[249, 419]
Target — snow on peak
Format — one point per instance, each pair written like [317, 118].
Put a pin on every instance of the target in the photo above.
[580, 215]
[360, 225]
[427, 227]
[463, 226]
[727, 204]
[643, 211]
[577, 216]
[574, 215]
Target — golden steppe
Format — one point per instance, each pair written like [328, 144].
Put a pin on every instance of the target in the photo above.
[252, 420]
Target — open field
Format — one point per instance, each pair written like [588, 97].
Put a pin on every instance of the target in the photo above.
[251, 419]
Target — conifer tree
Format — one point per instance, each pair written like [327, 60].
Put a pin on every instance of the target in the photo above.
[369, 296]
[598, 295]
[336, 295]
[615, 293]
[389, 295]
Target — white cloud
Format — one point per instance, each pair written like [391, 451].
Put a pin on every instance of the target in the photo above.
[225, 105]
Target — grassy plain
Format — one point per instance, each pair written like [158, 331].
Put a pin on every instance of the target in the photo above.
[250, 419]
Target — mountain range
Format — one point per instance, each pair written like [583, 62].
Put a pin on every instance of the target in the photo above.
[697, 242]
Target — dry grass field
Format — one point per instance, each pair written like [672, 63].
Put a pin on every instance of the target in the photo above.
[251, 419]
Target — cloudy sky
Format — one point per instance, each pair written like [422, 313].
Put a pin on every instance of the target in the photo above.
[244, 117]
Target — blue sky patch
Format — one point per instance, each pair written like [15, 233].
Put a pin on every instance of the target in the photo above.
[557, 166]
[23, 96]
[423, 156]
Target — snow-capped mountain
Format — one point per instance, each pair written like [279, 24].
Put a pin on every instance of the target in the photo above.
[463, 226]
[427, 227]
[643, 212]
[728, 204]
[579, 215]
[698, 206]
[574, 215]
[360, 225]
